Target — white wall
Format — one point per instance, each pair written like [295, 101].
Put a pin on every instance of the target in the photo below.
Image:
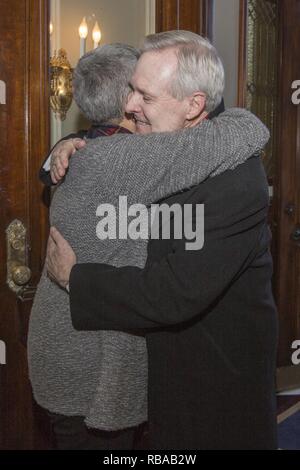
[226, 40]
[119, 21]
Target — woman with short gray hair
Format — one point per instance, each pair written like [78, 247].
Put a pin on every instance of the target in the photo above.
[66, 366]
[101, 82]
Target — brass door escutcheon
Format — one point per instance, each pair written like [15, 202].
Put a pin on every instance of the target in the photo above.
[18, 273]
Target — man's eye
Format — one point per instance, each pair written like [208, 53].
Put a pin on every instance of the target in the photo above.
[146, 99]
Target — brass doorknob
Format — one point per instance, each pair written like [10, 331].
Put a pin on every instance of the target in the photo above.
[21, 275]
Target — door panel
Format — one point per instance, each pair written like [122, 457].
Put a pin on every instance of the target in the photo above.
[191, 15]
[24, 139]
[283, 160]
[288, 187]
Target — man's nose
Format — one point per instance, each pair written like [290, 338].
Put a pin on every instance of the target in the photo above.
[132, 105]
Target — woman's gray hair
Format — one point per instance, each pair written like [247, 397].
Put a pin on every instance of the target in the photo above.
[101, 81]
[199, 65]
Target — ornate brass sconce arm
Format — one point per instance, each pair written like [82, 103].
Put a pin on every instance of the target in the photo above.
[61, 74]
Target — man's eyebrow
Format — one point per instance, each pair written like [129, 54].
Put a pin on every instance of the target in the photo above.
[139, 90]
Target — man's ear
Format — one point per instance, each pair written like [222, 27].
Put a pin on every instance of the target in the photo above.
[197, 102]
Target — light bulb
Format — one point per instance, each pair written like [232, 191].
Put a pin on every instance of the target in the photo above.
[83, 29]
[96, 34]
[51, 28]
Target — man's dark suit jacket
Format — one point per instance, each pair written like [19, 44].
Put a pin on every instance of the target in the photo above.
[209, 316]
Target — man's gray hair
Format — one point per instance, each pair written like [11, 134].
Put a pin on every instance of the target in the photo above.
[101, 81]
[199, 65]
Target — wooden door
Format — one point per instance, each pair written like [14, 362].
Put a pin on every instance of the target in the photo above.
[280, 53]
[191, 15]
[24, 139]
[288, 179]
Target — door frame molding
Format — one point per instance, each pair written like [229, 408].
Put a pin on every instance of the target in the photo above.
[192, 15]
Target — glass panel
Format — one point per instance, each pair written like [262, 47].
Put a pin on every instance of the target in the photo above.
[262, 69]
[226, 41]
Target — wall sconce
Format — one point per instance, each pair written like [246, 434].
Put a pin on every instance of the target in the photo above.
[61, 93]
[61, 72]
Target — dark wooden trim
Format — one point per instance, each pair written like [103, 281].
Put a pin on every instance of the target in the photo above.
[191, 15]
[288, 188]
[166, 15]
[39, 127]
[277, 180]
[288, 378]
[206, 18]
[297, 191]
[24, 121]
[242, 65]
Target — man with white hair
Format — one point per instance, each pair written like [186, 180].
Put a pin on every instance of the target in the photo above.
[209, 314]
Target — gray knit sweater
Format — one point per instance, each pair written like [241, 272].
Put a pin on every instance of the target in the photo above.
[103, 375]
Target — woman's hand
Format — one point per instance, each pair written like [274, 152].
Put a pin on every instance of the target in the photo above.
[61, 155]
